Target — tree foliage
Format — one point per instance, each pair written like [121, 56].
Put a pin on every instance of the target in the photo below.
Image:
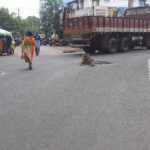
[12, 22]
[50, 17]
[32, 23]
[6, 19]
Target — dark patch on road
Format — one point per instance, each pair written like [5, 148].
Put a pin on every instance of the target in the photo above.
[102, 62]
[71, 51]
[2, 73]
[94, 63]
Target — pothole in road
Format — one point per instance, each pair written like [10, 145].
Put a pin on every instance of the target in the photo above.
[2, 73]
[94, 63]
[102, 62]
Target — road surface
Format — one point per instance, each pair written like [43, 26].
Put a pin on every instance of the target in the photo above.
[61, 105]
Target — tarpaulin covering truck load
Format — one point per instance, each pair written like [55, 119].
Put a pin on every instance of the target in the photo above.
[109, 34]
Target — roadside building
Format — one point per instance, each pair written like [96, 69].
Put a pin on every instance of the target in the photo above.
[105, 8]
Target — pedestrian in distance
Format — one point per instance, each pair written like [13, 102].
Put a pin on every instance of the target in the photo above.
[28, 48]
[37, 43]
[54, 38]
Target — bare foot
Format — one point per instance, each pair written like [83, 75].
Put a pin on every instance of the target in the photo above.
[30, 67]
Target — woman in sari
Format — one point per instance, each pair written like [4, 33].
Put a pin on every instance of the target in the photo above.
[28, 48]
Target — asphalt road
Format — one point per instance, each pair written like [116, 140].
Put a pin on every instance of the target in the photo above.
[61, 105]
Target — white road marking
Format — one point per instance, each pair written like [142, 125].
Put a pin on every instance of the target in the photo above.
[148, 68]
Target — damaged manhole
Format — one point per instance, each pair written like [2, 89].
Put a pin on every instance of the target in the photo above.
[87, 60]
[2, 73]
[102, 62]
[94, 63]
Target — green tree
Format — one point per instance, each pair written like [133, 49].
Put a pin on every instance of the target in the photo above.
[11, 21]
[33, 24]
[6, 19]
[19, 24]
[50, 17]
[15, 23]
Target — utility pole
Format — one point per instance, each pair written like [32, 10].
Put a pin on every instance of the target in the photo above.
[18, 13]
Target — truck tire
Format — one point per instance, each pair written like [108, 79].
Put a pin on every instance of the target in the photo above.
[113, 45]
[125, 44]
[147, 42]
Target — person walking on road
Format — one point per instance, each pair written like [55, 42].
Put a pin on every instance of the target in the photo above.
[28, 48]
[54, 38]
[38, 44]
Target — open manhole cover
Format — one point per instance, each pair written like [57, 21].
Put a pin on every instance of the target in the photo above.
[2, 73]
[102, 62]
[94, 63]
[87, 60]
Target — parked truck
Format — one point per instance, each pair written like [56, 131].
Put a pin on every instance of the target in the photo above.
[109, 34]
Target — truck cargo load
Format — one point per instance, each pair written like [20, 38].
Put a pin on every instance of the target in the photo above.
[110, 34]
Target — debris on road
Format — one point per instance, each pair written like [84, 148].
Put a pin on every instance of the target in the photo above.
[87, 60]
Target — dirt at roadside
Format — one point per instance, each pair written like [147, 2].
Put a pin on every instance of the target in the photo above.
[44, 50]
[67, 49]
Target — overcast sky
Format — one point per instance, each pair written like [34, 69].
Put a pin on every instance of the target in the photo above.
[24, 7]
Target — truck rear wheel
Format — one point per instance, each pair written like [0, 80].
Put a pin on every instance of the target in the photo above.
[125, 44]
[147, 42]
[113, 45]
